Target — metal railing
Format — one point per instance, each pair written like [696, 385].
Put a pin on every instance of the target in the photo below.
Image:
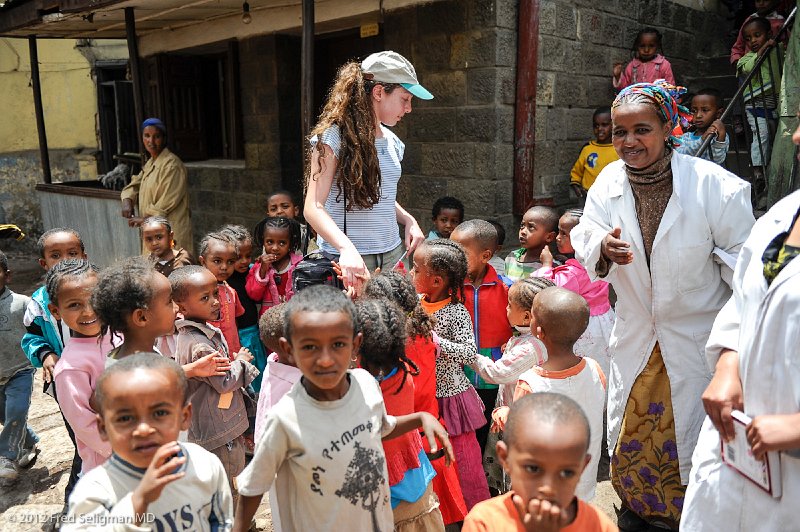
[751, 120]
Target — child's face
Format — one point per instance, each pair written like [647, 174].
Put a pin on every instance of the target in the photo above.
[425, 281]
[477, 258]
[322, 345]
[765, 7]
[245, 256]
[60, 246]
[565, 224]
[601, 125]
[704, 111]
[74, 307]
[517, 315]
[755, 36]
[220, 259]
[533, 232]
[276, 241]
[282, 205]
[202, 300]
[157, 239]
[647, 47]
[162, 310]
[446, 221]
[545, 462]
[142, 410]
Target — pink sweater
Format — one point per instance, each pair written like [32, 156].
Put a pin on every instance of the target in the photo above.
[76, 373]
[638, 72]
[573, 276]
[264, 290]
[278, 379]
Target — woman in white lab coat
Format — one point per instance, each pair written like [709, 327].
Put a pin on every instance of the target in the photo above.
[657, 226]
[755, 346]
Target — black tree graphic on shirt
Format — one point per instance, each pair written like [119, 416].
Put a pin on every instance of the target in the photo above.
[363, 480]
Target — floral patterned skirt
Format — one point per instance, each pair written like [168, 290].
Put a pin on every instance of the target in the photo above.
[644, 465]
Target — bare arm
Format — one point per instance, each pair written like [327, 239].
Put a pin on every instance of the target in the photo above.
[323, 170]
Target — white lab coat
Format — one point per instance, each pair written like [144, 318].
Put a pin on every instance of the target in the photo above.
[675, 300]
[763, 324]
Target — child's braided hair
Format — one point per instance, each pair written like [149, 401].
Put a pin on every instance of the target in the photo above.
[157, 220]
[383, 347]
[121, 289]
[64, 270]
[397, 287]
[523, 291]
[238, 232]
[278, 222]
[447, 258]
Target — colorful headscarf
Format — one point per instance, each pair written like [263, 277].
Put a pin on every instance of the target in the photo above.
[664, 97]
[156, 123]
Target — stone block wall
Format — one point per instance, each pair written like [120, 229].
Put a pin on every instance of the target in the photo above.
[460, 143]
[579, 42]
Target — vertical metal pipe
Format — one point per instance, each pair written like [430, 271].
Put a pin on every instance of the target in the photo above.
[525, 119]
[307, 68]
[136, 72]
[39, 108]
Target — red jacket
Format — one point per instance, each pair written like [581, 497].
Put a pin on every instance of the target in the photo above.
[489, 320]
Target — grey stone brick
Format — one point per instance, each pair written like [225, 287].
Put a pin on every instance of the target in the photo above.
[433, 52]
[442, 17]
[449, 87]
[431, 125]
[505, 123]
[481, 86]
[506, 47]
[566, 21]
[507, 80]
[477, 124]
[547, 17]
[446, 160]
[590, 26]
[545, 87]
[507, 13]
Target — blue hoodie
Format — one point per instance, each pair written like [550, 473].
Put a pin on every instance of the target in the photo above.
[43, 334]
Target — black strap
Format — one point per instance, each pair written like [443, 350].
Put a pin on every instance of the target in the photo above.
[345, 210]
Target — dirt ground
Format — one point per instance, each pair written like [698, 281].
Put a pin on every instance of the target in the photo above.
[34, 501]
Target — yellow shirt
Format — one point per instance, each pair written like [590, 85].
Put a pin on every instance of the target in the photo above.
[593, 158]
[160, 189]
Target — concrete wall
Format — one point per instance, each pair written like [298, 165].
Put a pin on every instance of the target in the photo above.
[579, 41]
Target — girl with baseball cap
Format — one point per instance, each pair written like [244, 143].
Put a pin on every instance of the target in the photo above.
[355, 166]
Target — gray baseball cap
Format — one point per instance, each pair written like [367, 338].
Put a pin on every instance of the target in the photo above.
[391, 67]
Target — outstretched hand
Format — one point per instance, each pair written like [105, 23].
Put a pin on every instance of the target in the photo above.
[435, 431]
[616, 250]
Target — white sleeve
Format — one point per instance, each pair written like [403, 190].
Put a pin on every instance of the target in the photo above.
[516, 359]
[271, 451]
[587, 237]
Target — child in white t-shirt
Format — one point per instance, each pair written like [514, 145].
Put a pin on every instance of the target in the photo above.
[559, 317]
[323, 439]
[151, 481]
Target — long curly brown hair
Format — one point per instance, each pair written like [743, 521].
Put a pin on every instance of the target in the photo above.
[349, 106]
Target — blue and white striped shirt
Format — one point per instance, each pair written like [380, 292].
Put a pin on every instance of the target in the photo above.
[374, 230]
